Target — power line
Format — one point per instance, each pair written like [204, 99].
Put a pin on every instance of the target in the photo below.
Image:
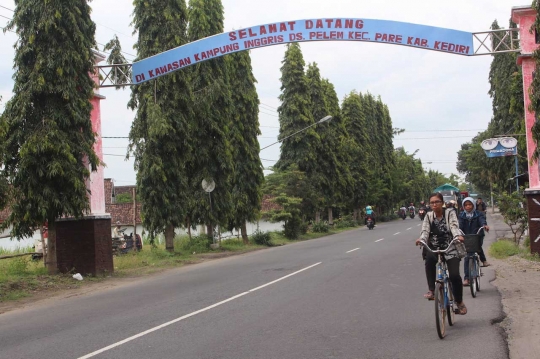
[7, 8]
[444, 130]
[5, 17]
[127, 53]
[113, 137]
[110, 28]
[269, 114]
[272, 107]
[428, 138]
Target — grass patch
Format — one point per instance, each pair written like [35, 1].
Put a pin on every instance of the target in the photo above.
[504, 248]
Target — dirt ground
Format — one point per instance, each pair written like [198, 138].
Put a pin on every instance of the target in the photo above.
[518, 281]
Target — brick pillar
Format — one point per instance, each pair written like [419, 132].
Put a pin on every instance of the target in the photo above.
[525, 16]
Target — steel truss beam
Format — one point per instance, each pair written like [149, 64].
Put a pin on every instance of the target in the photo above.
[496, 42]
[114, 75]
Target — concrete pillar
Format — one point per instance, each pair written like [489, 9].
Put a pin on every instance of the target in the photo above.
[525, 17]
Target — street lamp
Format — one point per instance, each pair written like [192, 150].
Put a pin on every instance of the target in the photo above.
[324, 119]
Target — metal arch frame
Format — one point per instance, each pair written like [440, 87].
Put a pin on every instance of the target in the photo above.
[108, 73]
[498, 44]
[498, 39]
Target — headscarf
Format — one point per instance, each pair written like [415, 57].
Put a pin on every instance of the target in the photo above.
[471, 213]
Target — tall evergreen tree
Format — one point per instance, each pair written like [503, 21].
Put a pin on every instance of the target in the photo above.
[324, 173]
[121, 74]
[248, 170]
[355, 123]
[295, 115]
[210, 123]
[335, 137]
[48, 139]
[161, 129]
[506, 91]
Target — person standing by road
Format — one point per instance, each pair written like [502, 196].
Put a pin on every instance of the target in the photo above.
[480, 205]
[440, 226]
[470, 221]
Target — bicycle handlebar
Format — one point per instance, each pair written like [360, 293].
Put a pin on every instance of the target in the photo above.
[478, 232]
[425, 245]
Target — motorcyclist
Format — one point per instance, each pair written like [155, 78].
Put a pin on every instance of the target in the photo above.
[403, 211]
[412, 208]
[369, 214]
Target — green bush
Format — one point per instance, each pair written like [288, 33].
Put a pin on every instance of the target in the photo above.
[320, 227]
[261, 238]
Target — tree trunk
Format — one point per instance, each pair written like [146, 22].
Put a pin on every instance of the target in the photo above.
[169, 238]
[52, 265]
[245, 238]
[330, 216]
[210, 231]
[188, 222]
[317, 216]
[355, 214]
[43, 246]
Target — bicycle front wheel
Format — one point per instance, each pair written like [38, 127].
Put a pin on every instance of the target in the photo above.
[472, 276]
[450, 305]
[440, 310]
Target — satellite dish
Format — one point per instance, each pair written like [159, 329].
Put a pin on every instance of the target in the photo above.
[208, 185]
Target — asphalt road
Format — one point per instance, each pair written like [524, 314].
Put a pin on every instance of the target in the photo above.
[357, 294]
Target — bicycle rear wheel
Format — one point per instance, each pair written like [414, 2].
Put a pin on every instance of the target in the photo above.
[440, 310]
[479, 274]
[450, 305]
[472, 276]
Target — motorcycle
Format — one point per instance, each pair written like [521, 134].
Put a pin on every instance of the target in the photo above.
[411, 214]
[421, 214]
[403, 215]
[370, 223]
[125, 244]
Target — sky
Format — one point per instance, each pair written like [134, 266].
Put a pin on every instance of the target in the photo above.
[441, 100]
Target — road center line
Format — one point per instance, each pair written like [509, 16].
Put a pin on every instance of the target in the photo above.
[418, 225]
[395, 234]
[409, 228]
[382, 239]
[352, 250]
[117, 344]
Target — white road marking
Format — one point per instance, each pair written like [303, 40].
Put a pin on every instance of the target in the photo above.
[395, 234]
[382, 239]
[117, 344]
[409, 228]
[418, 225]
[352, 250]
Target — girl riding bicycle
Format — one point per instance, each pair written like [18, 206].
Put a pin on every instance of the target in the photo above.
[440, 226]
[470, 221]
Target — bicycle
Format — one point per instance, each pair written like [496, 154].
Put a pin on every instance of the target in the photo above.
[472, 245]
[445, 305]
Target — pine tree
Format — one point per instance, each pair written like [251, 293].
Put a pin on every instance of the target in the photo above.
[248, 173]
[295, 115]
[159, 136]
[48, 139]
[210, 123]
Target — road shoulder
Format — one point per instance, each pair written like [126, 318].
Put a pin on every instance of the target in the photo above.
[518, 282]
